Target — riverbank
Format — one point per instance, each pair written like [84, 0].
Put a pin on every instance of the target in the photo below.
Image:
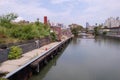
[10, 66]
[114, 36]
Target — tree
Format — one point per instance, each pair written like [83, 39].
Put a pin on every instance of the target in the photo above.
[96, 31]
[37, 22]
[5, 20]
[75, 29]
[80, 28]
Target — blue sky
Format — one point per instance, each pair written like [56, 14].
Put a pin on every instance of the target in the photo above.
[63, 11]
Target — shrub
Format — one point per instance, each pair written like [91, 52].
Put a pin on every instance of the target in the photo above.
[104, 33]
[21, 31]
[53, 36]
[2, 30]
[15, 52]
[29, 31]
[3, 78]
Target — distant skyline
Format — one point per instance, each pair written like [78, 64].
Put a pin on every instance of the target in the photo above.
[63, 11]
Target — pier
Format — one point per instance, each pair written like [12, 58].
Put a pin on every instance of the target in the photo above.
[31, 62]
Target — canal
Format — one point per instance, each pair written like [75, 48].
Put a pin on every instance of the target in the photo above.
[85, 59]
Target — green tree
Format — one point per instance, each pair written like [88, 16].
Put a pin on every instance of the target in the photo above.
[96, 31]
[80, 28]
[75, 29]
[5, 20]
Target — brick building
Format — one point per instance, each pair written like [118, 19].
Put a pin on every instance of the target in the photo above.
[58, 32]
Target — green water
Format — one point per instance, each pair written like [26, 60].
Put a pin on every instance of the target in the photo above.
[85, 59]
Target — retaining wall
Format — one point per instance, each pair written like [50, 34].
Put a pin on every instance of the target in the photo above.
[26, 47]
[4, 55]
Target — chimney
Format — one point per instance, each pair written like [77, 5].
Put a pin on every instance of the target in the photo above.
[45, 19]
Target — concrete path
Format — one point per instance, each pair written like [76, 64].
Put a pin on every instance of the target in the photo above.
[11, 65]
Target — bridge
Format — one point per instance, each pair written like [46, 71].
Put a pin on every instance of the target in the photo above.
[85, 35]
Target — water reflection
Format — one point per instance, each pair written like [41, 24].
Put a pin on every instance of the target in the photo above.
[46, 69]
[75, 40]
[108, 41]
[85, 59]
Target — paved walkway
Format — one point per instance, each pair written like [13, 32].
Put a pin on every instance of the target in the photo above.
[11, 65]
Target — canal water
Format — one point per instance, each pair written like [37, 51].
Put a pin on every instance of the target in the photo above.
[85, 59]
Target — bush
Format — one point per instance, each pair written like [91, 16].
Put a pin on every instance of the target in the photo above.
[2, 30]
[3, 78]
[53, 36]
[21, 31]
[104, 33]
[29, 31]
[15, 52]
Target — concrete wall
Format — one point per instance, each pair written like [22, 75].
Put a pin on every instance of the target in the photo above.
[3, 55]
[25, 47]
[28, 47]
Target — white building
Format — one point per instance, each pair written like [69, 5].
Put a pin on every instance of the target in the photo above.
[112, 22]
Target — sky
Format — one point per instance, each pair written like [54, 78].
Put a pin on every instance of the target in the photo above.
[63, 11]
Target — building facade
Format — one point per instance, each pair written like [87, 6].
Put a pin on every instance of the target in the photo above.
[112, 22]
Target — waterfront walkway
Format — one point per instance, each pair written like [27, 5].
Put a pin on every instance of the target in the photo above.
[11, 65]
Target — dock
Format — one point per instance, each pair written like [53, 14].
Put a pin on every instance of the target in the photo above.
[30, 62]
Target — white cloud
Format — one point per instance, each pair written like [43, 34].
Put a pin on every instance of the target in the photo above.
[99, 10]
[94, 10]
[29, 11]
[59, 1]
[18, 19]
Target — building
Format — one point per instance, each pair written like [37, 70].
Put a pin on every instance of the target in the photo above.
[111, 27]
[112, 22]
[114, 31]
[66, 32]
[57, 31]
[87, 25]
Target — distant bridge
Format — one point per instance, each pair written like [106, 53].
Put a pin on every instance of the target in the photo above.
[87, 36]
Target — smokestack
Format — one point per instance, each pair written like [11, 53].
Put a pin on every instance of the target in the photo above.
[45, 20]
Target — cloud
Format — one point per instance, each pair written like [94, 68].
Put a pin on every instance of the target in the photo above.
[64, 11]
[59, 1]
[18, 19]
[28, 11]
[99, 10]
